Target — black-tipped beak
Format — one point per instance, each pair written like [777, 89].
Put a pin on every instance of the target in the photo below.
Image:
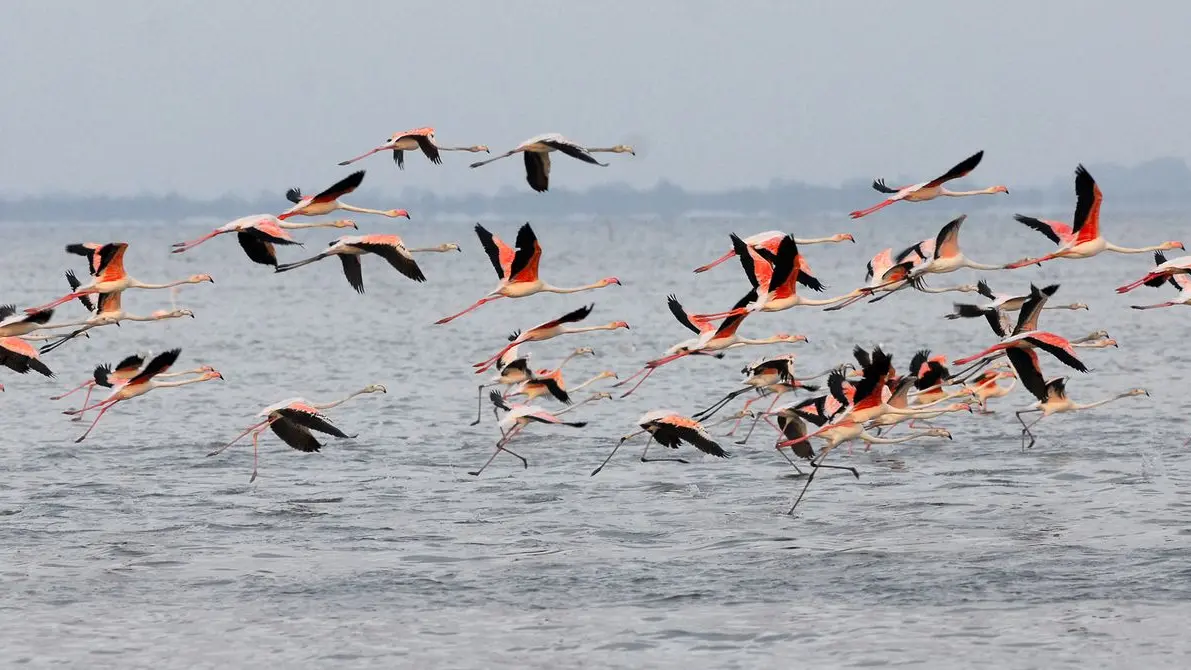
[192, 315]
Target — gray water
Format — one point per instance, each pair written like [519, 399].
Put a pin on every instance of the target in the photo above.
[132, 549]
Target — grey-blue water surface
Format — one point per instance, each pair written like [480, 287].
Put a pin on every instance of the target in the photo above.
[132, 549]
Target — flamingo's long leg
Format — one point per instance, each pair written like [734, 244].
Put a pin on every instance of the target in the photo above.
[657, 460]
[478, 304]
[239, 437]
[769, 409]
[80, 387]
[865, 212]
[97, 418]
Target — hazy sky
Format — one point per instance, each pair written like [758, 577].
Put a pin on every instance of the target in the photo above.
[205, 97]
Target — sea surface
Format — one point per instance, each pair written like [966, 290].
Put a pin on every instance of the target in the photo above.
[134, 550]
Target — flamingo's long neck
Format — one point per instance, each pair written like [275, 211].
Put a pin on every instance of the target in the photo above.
[362, 210]
[1102, 402]
[340, 401]
[579, 404]
[289, 225]
[546, 288]
[959, 194]
[586, 329]
[589, 382]
[184, 382]
[1108, 246]
[136, 283]
[815, 240]
[873, 439]
[945, 289]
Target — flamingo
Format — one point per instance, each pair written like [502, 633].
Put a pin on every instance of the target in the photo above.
[710, 340]
[20, 357]
[670, 429]
[412, 140]
[349, 248]
[1084, 241]
[513, 368]
[108, 311]
[1026, 336]
[770, 240]
[293, 420]
[1051, 395]
[883, 274]
[1164, 271]
[797, 439]
[987, 388]
[944, 257]
[110, 277]
[899, 399]
[929, 190]
[1179, 280]
[518, 270]
[258, 233]
[13, 324]
[518, 417]
[550, 382]
[141, 384]
[327, 201]
[108, 377]
[999, 304]
[548, 330]
[537, 156]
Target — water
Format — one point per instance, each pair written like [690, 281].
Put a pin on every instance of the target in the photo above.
[134, 550]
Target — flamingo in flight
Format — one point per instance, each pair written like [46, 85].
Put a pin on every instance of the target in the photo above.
[106, 311]
[1174, 273]
[669, 429]
[20, 357]
[884, 274]
[518, 416]
[512, 368]
[943, 257]
[986, 387]
[1163, 271]
[1026, 336]
[14, 325]
[1083, 240]
[293, 420]
[327, 201]
[711, 339]
[929, 190]
[349, 248]
[141, 384]
[775, 278]
[517, 270]
[108, 377]
[999, 304]
[770, 240]
[797, 439]
[258, 234]
[551, 383]
[111, 277]
[1051, 395]
[537, 156]
[418, 139]
[548, 330]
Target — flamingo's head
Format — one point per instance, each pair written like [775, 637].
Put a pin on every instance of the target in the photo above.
[212, 374]
[607, 374]
[1132, 392]
[374, 388]
[844, 236]
[607, 281]
[1000, 189]
[478, 148]
[786, 337]
[1079, 305]
[345, 223]
[584, 351]
[615, 325]
[623, 149]
[198, 279]
[1096, 335]
[394, 213]
[937, 432]
[1109, 342]
[601, 395]
[1173, 245]
[449, 246]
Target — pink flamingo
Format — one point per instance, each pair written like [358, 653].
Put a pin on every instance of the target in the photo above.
[537, 156]
[1179, 280]
[327, 200]
[548, 330]
[110, 277]
[258, 233]
[292, 420]
[414, 140]
[141, 384]
[517, 417]
[670, 429]
[929, 190]
[1087, 241]
[108, 377]
[518, 270]
[770, 240]
[1163, 272]
[710, 340]
[389, 247]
